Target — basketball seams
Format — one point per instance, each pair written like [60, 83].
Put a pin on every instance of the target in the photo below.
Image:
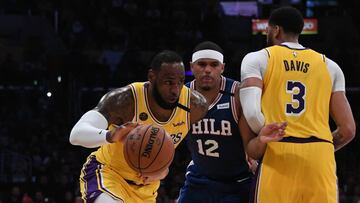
[141, 144]
[127, 152]
[158, 152]
[156, 159]
[166, 165]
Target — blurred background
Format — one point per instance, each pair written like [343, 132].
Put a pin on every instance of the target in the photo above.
[57, 58]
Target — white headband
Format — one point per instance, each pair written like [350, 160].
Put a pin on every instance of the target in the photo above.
[209, 54]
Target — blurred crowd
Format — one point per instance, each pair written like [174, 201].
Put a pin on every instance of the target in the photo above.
[62, 56]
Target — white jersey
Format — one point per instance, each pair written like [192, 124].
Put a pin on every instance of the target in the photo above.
[254, 64]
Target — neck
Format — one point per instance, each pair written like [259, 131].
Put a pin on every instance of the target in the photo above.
[211, 93]
[289, 38]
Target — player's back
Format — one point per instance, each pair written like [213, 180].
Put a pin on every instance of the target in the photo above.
[297, 89]
[215, 142]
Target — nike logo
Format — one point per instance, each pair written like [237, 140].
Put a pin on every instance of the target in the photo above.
[100, 132]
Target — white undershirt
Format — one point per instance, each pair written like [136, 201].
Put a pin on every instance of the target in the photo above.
[254, 64]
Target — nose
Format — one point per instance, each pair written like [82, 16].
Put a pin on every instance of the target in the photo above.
[175, 89]
[207, 69]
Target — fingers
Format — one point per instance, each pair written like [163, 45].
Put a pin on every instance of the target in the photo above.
[273, 132]
[120, 131]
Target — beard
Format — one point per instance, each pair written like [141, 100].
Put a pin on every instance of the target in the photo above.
[160, 101]
[205, 88]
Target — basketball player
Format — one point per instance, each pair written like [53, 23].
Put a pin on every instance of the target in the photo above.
[288, 82]
[219, 170]
[164, 101]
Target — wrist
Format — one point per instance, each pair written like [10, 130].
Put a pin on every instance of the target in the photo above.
[108, 137]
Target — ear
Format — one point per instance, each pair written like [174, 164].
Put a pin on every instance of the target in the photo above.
[151, 75]
[191, 66]
[277, 31]
[222, 68]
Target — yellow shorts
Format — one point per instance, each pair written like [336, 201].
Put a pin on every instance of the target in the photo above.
[297, 173]
[97, 178]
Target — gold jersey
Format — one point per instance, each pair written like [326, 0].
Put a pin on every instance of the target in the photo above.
[177, 126]
[297, 89]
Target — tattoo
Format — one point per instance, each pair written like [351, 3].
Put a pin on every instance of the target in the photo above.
[199, 106]
[117, 106]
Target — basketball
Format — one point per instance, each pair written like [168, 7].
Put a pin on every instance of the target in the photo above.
[148, 149]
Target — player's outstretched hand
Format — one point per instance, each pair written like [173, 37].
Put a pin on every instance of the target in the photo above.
[118, 133]
[272, 132]
[158, 176]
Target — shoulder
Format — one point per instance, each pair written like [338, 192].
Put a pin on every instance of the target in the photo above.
[118, 96]
[332, 65]
[117, 105]
[262, 54]
[254, 64]
[198, 106]
[337, 75]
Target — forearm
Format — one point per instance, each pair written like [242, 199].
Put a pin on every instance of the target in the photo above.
[250, 98]
[256, 148]
[90, 131]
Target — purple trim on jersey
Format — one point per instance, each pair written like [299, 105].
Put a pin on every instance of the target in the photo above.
[135, 99]
[284, 45]
[303, 140]
[91, 182]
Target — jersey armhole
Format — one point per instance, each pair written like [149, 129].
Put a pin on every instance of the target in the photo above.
[233, 102]
[135, 97]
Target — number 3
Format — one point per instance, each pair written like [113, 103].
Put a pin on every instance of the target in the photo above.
[297, 105]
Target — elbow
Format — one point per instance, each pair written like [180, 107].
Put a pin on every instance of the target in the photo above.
[73, 138]
[255, 120]
[349, 131]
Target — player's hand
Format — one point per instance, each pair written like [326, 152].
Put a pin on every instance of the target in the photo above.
[151, 178]
[118, 133]
[252, 163]
[272, 132]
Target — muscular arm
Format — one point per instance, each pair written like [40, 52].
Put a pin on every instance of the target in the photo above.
[116, 107]
[255, 145]
[252, 69]
[341, 113]
[198, 106]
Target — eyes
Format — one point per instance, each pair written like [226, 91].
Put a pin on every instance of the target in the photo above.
[213, 64]
[174, 82]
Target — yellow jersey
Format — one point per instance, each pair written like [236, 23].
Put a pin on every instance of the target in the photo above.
[297, 89]
[177, 126]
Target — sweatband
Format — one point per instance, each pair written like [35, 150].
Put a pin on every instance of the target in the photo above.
[209, 54]
[250, 98]
[90, 131]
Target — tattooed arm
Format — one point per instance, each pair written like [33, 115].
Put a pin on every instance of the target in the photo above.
[199, 106]
[116, 107]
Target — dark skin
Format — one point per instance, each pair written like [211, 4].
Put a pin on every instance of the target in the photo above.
[207, 73]
[118, 105]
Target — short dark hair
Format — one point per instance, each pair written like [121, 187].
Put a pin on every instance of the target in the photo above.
[289, 18]
[165, 56]
[208, 45]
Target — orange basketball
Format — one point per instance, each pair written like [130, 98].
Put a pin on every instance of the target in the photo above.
[148, 149]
